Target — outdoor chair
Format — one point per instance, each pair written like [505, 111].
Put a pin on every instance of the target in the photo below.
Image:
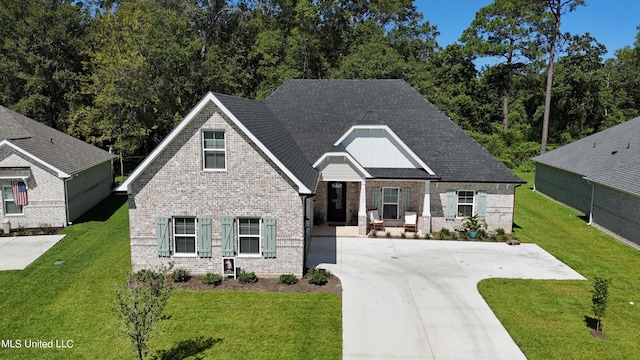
[410, 221]
[375, 221]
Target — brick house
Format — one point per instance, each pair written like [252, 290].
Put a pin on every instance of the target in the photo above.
[598, 176]
[243, 178]
[46, 176]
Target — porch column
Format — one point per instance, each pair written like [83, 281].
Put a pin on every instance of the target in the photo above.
[362, 210]
[425, 225]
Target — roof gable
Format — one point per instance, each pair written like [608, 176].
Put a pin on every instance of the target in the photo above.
[257, 122]
[317, 112]
[54, 149]
[610, 157]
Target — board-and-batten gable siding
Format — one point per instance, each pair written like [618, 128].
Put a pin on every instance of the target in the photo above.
[46, 192]
[88, 188]
[375, 148]
[175, 184]
[617, 212]
[564, 186]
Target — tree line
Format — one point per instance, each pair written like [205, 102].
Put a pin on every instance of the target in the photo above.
[122, 74]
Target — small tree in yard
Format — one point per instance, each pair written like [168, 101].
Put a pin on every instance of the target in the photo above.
[140, 304]
[599, 296]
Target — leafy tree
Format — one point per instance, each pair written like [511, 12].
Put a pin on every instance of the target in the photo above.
[139, 306]
[503, 29]
[599, 297]
[551, 30]
[41, 58]
[142, 79]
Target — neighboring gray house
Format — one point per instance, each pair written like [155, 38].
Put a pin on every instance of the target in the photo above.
[243, 178]
[598, 175]
[59, 177]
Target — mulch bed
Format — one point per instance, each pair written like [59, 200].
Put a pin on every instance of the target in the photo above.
[263, 284]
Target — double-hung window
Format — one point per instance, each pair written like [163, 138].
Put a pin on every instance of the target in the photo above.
[10, 207]
[184, 235]
[214, 150]
[390, 198]
[249, 236]
[465, 203]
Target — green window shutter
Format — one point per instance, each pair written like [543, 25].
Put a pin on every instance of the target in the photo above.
[450, 209]
[376, 199]
[227, 237]
[405, 200]
[269, 238]
[162, 234]
[482, 204]
[204, 237]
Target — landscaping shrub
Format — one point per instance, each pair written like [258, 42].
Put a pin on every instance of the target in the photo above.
[317, 277]
[403, 235]
[180, 275]
[247, 277]
[374, 233]
[388, 234]
[212, 279]
[288, 279]
[147, 276]
[500, 231]
[444, 234]
[415, 235]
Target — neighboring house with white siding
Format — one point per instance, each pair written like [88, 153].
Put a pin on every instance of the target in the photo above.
[598, 175]
[47, 177]
[243, 178]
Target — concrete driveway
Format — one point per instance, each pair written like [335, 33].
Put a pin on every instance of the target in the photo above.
[16, 253]
[417, 299]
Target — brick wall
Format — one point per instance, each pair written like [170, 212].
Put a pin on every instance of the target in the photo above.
[500, 202]
[176, 185]
[45, 191]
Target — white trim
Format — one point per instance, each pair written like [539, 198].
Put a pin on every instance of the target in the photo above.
[393, 135]
[195, 237]
[259, 236]
[397, 203]
[348, 157]
[473, 203]
[204, 150]
[186, 121]
[13, 200]
[61, 174]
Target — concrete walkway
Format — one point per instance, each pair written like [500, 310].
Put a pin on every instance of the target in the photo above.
[418, 299]
[16, 253]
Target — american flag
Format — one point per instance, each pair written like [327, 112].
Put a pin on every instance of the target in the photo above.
[20, 196]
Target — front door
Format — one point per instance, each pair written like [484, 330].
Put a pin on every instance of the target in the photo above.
[337, 202]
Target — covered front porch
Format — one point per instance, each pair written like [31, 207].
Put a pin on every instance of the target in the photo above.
[342, 208]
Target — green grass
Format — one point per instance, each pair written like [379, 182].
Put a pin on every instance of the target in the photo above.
[73, 301]
[547, 319]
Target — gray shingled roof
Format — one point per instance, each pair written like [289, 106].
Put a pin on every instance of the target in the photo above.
[56, 148]
[262, 123]
[610, 157]
[318, 112]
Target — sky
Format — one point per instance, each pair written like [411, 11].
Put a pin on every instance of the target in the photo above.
[612, 22]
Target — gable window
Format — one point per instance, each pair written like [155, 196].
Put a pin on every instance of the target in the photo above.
[390, 197]
[249, 236]
[214, 150]
[465, 203]
[9, 205]
[184, 235]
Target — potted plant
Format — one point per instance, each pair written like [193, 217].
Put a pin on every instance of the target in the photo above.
[471, 225]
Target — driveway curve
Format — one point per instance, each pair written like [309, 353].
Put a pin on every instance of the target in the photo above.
[412, 299]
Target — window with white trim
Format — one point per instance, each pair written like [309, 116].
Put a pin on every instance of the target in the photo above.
[10, 207]
[249, 236]
[465, 203]
[390, 199]
[184, 235]
[214, 150]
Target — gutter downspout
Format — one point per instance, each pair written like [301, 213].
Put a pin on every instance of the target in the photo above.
[66, 201]
[305, 221]
[593, 193]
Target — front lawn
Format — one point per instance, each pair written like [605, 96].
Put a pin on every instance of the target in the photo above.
[72, 301]
[549, 319]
